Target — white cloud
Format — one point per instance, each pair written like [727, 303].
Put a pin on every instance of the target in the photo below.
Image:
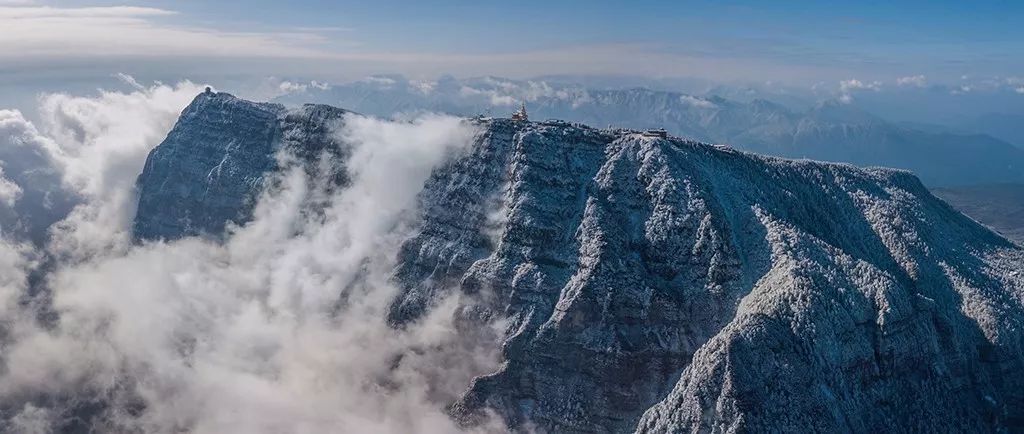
[247, 335]
[10, 192]
[32, 419]
[854, 84]
[696, 102]
[914, 80]
[962, 89]
[493, 97]
[287, 87]
[847, 87]
[129, 80]
[535, 90]
[16, 131]
[91, 12]
[424, 87]
[34, 184]
[16, 259]
[100, 144]
[384, 82]
[1020, 89]
[504, 93]
[44, 31]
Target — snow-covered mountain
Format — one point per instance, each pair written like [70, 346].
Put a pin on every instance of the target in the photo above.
[830, 131]
[245, 137]
[659, 284]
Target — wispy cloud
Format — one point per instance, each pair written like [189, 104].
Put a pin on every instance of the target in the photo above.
[247, 335]
[10, 191]
[41, 31]
[913, 80]
[93, 12]
[847, 87]
[855, 84]
[962, 89]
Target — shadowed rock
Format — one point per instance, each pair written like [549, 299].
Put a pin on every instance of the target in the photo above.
[665, 285]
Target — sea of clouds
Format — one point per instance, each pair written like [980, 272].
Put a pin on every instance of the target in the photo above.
[280, 327]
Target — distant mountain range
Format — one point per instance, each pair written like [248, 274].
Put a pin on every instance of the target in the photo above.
[831, 130]
[1000, 206]
[1006, 126]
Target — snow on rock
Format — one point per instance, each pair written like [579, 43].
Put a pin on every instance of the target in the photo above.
[212, 165]
[665, 285]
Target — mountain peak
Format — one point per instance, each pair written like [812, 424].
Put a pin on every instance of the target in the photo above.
[836, 111]
[623, 266]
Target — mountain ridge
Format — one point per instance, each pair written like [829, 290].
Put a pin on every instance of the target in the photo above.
[234, 153]
[829, 131]
[636, 273]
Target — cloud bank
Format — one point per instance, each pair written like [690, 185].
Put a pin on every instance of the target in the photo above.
[107, 31]
[278, 328]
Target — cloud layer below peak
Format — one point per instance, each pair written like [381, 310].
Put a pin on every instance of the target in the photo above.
[248, 334]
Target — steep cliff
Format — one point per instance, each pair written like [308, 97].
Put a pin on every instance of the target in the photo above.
[213, 164]
[665, 285]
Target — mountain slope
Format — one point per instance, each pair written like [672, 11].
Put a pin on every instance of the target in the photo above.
[231, 144]
[665, 285]
[830, 131]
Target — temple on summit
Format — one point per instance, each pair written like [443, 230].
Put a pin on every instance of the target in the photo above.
[520, 115]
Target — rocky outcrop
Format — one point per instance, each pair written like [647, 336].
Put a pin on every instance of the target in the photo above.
[212, 166]
[665, 285]
[837, 290]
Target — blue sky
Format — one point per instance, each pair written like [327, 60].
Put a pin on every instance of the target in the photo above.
[794, 41]
[940, 38]
[847, 47]
[403, 22]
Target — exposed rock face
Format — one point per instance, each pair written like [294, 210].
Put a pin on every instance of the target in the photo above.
[663, 285]
[211, 167]
[842, 291]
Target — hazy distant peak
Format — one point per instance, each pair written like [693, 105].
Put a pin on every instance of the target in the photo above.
[833, 110]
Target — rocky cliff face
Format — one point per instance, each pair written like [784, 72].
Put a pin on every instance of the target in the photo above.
[664, 285]
[211, 167]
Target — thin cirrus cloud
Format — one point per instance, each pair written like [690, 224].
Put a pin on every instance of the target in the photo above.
[35, 34]
[47, 44]
[44, 31]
